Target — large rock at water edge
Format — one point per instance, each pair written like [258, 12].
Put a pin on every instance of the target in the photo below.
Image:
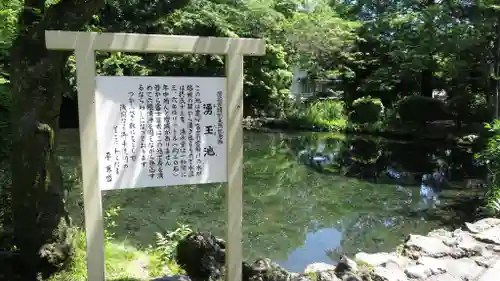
[202, 256]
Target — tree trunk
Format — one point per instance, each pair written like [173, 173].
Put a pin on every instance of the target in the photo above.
[495, 82]
[427, 74]
[41, 221]
[427, 78]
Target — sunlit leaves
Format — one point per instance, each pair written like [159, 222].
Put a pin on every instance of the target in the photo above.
[318, 35]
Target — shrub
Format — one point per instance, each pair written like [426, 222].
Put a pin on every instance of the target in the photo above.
[366, 110]
[322, 115]
[166, 243]
[471, 107]
[491, 155]
[421, 109]
[326, 110]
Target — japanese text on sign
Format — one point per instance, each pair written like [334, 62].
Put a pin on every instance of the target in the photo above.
[160, 131]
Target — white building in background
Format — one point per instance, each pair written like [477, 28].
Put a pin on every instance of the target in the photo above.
[307, 6]
[302, 88]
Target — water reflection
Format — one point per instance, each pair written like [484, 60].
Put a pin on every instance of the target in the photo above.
[419, 180]
[375, 160]
[313, 250]
[307, 197]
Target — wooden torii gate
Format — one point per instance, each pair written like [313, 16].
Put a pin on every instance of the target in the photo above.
[84, 44]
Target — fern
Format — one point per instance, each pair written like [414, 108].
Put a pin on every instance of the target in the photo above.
[167, 243]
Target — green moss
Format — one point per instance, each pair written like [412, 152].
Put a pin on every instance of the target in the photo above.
[312, 275]
[364, 265]
[45, 128]
[400, 249]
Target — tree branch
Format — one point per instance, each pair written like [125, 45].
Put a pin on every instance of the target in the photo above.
[32, 11]
[71, 14]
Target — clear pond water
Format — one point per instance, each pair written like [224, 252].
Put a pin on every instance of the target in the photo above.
[307, 197]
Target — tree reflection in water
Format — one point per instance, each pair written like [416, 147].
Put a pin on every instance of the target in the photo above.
[419, 171]
[378, 160]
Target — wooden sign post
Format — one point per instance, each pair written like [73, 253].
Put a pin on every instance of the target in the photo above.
[147, 131]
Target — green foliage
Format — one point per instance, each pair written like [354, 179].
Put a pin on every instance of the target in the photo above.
[166, 243]
[372, 54]
[267, 78]
[319, 39]
[108, 64]
[406, 49]
[109, 220]
[268, 82]
[491, 155]
[369, 50]
[326, 110]
[122, 261]
[471, 107]
[493, 200]
[9, 11]
[323, 115]
[421, 109]
[366, 110]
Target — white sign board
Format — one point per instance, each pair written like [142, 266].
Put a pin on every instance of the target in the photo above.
[160, 131]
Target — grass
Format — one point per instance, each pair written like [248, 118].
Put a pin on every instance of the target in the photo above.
[492, 206]
[123, 262]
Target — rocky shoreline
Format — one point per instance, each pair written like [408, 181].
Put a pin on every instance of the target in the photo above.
[471, 253]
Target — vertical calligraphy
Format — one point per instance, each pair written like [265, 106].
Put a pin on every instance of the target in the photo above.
[165, 130]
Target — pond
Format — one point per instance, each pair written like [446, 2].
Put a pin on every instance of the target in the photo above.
[308, 197]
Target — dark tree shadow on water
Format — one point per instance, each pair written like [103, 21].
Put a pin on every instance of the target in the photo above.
[453, 215]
